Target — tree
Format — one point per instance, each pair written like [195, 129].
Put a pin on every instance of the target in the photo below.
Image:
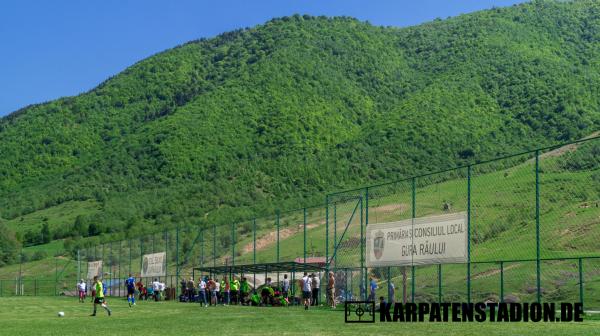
[9, 245]
[45, 233]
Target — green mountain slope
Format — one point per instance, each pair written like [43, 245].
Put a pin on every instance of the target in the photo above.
[279, 114]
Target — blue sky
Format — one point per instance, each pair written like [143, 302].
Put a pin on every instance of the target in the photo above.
[51, 49]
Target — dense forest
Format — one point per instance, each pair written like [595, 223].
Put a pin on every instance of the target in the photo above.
[277, 115]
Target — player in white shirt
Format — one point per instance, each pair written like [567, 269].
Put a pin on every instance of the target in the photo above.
[156, 289]
[82, 289]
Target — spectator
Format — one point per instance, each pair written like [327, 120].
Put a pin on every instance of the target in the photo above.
[331, 290]
[226, 291]
[235, 290]
[143, 292]
[373, 286]
[306, 285]
[285, 286]
[161, 287]
[244, 291]
[382, 303]
[104, 288]
[267, 293]
[202, 292]
[190, 290]
[316, 284]
[392, 293]
[213, 291]
[218, 291]
[183, 285]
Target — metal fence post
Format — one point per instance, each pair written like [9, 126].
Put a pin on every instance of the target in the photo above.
[119, 271]
[502, 281]
[214, 244]
[440, 283]
[304, 242]
[327, 232]
[414, 215]
[176, 254]
[581, 279]
[413, 276]
[335, 242]
[364, 242]
[55, 276]
[254, 241]
[141, 256]
[254, 250]
[537, 225]
[362, 249]
[389, 284]
[78, 265]
[469, 234]
[166, 237]
[202, 248]
[233, 244]
[277, 224]
[130, 271]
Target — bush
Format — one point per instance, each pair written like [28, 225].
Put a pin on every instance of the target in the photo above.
[39, 255]
[9, 246]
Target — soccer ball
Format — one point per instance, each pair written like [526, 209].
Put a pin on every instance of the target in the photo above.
[61, 314]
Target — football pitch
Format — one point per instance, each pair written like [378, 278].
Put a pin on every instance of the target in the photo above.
[38, 316]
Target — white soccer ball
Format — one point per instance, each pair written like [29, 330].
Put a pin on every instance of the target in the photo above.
[61, 314]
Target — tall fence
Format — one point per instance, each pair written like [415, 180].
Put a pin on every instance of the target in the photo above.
[533, 226]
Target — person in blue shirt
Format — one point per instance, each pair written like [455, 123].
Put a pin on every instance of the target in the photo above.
[374, 287]
[130, 284]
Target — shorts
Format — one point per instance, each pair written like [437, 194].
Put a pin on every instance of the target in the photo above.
[305, 295]
[99, 300]
[130, 291]
[213, 294]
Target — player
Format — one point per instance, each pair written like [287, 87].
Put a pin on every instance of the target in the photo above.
[81, 287]
[130, 283]
[100, 297]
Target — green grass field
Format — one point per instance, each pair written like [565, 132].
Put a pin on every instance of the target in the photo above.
[38, 316]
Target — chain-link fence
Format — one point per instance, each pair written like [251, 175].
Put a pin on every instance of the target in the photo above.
[532, 227]
[533, 230]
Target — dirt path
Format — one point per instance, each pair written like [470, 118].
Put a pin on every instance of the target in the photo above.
[564, 149]
[271, 238]
[390, 207]
[492, 272]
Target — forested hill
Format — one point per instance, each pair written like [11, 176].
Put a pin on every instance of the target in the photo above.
[279, 114]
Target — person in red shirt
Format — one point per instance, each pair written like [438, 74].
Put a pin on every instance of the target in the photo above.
[142, 290]
[212, 287]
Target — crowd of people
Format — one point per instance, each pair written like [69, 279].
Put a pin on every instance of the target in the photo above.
[212, 291]
[209, 291]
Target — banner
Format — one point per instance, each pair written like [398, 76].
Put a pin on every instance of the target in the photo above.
[94, 269]
[154, 264]
[419, 241]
